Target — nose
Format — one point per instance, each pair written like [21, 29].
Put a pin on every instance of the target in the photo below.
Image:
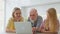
[18, 14]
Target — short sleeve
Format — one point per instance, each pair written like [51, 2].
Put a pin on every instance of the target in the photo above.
[10, 24]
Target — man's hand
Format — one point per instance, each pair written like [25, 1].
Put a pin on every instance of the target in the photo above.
[33, 29]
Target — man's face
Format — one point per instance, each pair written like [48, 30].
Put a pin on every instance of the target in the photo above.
[33, 15]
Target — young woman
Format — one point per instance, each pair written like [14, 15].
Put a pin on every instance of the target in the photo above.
[16, 17]
[51, 23]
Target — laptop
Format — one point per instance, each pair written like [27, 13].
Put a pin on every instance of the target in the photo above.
[23, 27]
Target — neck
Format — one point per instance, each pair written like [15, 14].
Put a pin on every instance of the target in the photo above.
[17, 20]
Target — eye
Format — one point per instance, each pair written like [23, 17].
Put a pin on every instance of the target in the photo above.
[32, 15]
[16, 13]
[19, 13]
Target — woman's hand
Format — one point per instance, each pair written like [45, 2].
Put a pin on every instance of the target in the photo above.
[13, 31]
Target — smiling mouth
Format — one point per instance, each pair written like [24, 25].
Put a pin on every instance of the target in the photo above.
[18, 16]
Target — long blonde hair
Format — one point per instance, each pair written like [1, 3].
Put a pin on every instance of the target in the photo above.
[51, 20]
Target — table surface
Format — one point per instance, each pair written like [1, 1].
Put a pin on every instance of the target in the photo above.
[15, 33]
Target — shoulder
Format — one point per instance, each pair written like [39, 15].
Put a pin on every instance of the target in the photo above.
[39, 17]
[11, 19]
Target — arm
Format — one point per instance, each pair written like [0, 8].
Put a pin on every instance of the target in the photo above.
[10, 26]
[42, 27]
[53, 27]
[39, 22]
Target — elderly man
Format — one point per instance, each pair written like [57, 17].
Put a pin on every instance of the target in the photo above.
[35, 20]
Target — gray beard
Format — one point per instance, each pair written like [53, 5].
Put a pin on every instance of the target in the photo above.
[32, 20]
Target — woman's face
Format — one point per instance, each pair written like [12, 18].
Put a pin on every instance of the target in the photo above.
[17, 14]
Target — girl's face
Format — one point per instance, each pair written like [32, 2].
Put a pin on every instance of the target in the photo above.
[17, 14]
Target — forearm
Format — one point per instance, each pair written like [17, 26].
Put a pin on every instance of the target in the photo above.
[9, 30]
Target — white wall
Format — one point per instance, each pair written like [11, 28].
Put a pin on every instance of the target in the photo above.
[1, 15]
[34, 2]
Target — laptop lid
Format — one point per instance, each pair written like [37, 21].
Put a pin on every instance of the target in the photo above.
[23, 27]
